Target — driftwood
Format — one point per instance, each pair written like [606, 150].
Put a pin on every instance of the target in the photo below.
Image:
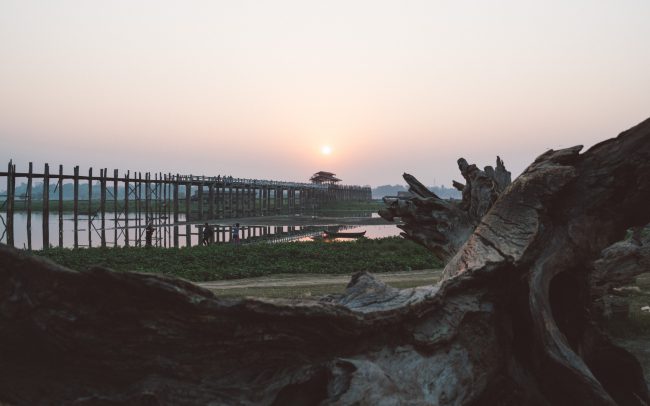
[617, 266]
[511, 323]
[443, 226]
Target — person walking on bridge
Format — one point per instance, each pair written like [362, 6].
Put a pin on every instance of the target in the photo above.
[208, 233]
[234, 234]
[149, 234]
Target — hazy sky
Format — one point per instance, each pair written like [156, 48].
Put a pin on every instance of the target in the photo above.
[257, 88]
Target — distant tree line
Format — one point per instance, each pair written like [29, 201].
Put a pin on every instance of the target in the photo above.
[392, 190]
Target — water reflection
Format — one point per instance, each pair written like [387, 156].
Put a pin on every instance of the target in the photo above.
[166, 233]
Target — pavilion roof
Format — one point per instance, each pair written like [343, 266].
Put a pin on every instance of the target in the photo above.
[324, 177]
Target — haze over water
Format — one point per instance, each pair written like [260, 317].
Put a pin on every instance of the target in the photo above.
[258, 89]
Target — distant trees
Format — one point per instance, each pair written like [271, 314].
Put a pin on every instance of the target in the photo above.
[393, 190]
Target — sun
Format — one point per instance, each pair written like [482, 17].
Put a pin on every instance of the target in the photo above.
[326, 150]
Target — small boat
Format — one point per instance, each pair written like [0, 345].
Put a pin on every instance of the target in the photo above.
[339, 234]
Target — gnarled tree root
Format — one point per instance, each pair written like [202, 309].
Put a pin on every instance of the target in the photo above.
[511, 323]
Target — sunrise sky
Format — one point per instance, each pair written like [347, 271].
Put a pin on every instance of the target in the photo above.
[259, 88]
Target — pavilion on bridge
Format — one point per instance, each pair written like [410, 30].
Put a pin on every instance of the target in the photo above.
[323, 177]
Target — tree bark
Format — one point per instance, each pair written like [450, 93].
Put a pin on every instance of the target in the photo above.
[443, 226]
[512, 322]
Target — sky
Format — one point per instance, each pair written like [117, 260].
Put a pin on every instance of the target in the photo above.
[257, 89]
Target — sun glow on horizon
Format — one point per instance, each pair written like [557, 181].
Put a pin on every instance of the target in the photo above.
[326, 150]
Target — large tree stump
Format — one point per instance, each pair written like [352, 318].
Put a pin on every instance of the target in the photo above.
[443, 226]
[511, 324]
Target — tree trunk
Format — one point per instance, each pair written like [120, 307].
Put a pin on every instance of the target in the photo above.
[443, 226]
[512, 322]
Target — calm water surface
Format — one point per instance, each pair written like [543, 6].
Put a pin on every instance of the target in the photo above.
[164, 231]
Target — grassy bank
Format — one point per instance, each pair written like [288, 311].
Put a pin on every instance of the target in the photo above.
[226, 261]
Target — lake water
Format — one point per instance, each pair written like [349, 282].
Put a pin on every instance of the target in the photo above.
[164, 231]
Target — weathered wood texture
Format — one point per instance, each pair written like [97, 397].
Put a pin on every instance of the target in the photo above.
[511, 323]
[444, 225]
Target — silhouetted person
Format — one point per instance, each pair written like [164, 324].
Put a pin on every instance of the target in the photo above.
[149, 234]
[234, 234]
[208, 232]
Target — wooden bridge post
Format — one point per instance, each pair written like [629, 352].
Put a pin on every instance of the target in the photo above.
[175, 203]
[46, 207]
[279, 196]
[217, 200]
[284, 200]
[188, 202]
[276, 199]
[136, 208]
[200, 197]
[249, 196]
[11, 180]
[165, 215]
[288, 205]
[75, 206]
[115, 176]
[230, 201]
[29, 206]
[299, 197]
[147, 197]
[60, 206]
[242, 203]
[90, 207]
[102, 205]
[211, 200]
[126, 208]
[245, 201]
[237, 202]
[154, 211]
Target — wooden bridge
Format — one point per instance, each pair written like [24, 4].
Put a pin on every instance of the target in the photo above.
[155, 197]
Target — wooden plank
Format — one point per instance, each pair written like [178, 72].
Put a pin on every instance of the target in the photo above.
[29, 207]
[75, 206]
[60, 206]
[11, 180]
[46, 207]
